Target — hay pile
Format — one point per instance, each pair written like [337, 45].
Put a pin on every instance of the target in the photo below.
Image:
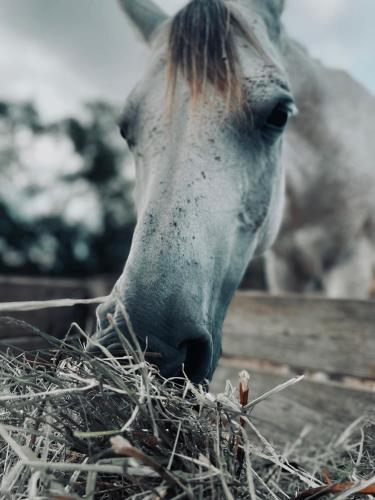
[72, 426]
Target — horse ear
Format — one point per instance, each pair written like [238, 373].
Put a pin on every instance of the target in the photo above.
[276, 6]
[145, 16]
[271, 11]
[282, 4]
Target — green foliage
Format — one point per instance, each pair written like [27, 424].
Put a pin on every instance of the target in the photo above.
[85, 159]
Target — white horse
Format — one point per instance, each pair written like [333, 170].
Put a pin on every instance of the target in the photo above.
[327, 240]
[206, 127]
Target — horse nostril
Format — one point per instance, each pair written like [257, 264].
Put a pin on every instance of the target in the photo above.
[198, 359]
[106, 338]
[189, 348]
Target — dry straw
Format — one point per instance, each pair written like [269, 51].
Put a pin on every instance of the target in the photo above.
[77, 427]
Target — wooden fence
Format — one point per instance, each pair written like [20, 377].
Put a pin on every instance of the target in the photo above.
[54, 321]
[331, 341]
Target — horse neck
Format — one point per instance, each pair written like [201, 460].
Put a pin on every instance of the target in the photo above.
[326, 96]
[304, 72]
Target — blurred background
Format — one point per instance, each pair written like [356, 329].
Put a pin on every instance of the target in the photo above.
[65, 174]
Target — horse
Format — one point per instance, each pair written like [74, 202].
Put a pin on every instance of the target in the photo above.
[327, 240]
[207, 126]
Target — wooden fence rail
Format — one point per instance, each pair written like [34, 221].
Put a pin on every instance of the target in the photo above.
[333, 336]
[327, 408]
[302, 334]
[295, 334]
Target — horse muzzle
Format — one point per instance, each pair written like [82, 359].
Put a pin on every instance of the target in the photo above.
[184, 350]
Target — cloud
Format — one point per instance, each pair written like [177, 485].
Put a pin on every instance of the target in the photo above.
[338, 32]
[316, 12]
[171, 6]
[66, 52]
[62, 53]
[32, 72]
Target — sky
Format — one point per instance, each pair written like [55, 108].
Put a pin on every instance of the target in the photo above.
[61, 53]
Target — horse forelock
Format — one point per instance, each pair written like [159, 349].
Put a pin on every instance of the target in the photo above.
[202, 48]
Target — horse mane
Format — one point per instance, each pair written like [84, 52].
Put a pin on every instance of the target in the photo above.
[202, 48]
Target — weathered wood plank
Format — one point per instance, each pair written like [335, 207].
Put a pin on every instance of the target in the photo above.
[23, 344]
[55, 322]
[334, 336]
[327, 407]
[19, 336]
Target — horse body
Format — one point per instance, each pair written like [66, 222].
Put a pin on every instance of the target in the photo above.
[328, 234]
[209, 178]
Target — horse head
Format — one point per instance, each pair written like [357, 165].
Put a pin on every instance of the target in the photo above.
[205, 127]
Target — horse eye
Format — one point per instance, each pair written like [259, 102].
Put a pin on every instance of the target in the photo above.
[278, 118]
[125, 133]
[124, 129]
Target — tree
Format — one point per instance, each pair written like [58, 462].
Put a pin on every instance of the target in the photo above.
[65, 192]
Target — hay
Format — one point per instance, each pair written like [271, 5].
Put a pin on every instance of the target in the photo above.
[73, 426]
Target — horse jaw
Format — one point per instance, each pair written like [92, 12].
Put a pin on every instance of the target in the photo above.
[144, 15]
